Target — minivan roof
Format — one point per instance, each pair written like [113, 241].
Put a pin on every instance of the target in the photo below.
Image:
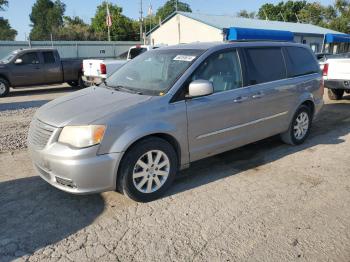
[210, 45]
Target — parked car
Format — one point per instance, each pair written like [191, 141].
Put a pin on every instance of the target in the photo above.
[172, 106]
[33, 67]
[96, 70]
[336, 74]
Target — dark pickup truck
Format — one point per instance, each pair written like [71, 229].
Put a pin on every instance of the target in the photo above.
[29, 67]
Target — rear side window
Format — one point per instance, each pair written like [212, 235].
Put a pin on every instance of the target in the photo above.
[264, 65]
[300, 61]
[49, 57]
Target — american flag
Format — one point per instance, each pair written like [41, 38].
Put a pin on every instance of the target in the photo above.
[109, 17]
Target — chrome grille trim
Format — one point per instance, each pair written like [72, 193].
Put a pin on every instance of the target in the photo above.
[39, 134]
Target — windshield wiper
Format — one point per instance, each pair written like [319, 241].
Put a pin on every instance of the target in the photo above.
[126, 89]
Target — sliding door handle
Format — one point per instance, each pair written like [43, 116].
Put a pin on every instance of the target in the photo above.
[258, 95]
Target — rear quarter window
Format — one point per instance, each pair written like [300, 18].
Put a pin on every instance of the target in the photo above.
[300, 61]
[264, 65]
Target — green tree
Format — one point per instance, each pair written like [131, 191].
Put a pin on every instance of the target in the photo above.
[3, 3]
[122, 29]
[46, 18]
[246, 14]
[6, 32]
[170, 7]
[282, 11]
[75, 29]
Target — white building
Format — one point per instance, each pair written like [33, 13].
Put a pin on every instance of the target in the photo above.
[181, 27]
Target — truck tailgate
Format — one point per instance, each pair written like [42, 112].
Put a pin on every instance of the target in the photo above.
[92, 67]
[338, 69]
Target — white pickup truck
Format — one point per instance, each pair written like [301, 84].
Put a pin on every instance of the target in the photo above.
[96, 70]
[336, 74]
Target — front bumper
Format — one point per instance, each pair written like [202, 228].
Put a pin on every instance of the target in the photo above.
[76, 171]
[337, 84]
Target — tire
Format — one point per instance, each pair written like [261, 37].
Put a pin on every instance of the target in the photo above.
[4, 87]
[141, 181]
[73, 83]
[291, 136]
[335, 94]
[81, 82]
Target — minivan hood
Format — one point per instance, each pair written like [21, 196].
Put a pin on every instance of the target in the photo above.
[87, 106]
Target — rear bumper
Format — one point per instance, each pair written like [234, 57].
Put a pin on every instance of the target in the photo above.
[76, 171]
[337, 84]
[93, 79]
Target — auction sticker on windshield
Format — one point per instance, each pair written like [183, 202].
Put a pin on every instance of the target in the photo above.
[185, 58]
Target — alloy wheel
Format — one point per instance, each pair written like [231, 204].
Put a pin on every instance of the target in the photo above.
[301, 125]
[151, 171]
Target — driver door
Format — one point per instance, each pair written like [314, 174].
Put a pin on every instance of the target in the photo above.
[29, 72]
[216, 123]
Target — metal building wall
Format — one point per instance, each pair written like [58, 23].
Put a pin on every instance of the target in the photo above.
[72, 49]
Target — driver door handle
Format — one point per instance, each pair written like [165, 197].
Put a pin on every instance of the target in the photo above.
[240, 99]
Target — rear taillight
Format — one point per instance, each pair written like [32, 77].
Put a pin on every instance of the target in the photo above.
[103, 69]
[325, 70]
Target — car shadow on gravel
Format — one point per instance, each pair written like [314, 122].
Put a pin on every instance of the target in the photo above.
[22, 105]
[332, 124]
[43, 90]
[34, 215]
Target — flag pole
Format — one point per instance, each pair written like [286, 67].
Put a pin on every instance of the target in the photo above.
[109, 20]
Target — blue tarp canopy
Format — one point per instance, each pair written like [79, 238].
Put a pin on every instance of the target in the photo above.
[337, 38]
[235, 33]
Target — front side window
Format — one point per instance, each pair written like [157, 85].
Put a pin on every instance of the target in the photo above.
[153, 72]
[222, 69]
[264, 65]
[30, 58]
[49, 57]
[300, 61]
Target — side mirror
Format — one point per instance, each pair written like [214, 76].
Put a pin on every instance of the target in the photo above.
[200, 88]
[18, 61]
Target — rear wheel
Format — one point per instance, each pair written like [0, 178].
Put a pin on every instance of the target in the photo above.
[73, 83]
[81, 82]
[299, 128]
[335, 94]
[4, 87]
[147, 170]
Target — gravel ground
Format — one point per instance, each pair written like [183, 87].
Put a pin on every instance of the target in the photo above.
[14, 125]
[263, 202]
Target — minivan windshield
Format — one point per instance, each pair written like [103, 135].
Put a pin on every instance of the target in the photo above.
[153, 72]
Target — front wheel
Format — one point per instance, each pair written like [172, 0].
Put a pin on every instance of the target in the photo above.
[335, 94]
[4, 87]
[147, 170]
[299, 129]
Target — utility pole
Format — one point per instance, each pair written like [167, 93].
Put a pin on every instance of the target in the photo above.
[176, 5]
[282, 17]
[141, 21]
[266, 17]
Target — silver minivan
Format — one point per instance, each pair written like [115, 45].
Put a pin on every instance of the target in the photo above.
[172, 106]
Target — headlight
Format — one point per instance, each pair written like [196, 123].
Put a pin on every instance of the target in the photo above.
[82, 136]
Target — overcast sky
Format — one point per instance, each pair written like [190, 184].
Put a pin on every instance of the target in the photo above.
[19, 10]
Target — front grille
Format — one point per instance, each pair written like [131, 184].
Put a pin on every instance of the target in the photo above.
[39, 134]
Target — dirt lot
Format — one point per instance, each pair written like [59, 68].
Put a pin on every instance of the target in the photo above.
[264, 202]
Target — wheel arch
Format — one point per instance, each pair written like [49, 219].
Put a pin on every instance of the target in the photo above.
[6, 78]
